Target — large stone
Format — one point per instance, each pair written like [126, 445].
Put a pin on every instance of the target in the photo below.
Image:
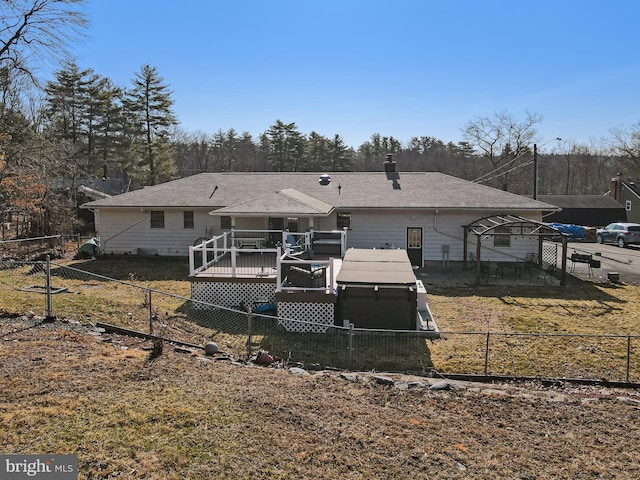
[629, 401]
[442, 385]
[211, 348]
[382, 380]
[350, 377]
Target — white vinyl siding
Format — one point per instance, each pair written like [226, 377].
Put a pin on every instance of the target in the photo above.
[125, 231]
[387, 229]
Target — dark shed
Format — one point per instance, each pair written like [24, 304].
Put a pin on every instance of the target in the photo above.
[585, 210]
[377, 289]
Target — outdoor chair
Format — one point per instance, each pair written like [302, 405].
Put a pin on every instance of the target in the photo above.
[293, 245]
[546, 271]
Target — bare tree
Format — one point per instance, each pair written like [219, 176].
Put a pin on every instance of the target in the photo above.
[625, 143]
[503, 141]
[38, 30]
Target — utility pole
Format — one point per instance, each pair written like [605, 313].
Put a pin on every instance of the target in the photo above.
[535, 171]
[535, 165]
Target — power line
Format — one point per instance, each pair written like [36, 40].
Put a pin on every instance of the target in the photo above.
[482, 178]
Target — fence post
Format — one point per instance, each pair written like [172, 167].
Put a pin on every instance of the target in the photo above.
[249, 334]
[49, 318]
[150, 312]
[628, 357]
[486, 356]
[350, 347]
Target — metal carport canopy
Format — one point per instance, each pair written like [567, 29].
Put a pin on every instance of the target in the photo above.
[486, 226]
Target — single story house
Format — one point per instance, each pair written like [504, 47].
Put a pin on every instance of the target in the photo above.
[422, 212]
[246, 233]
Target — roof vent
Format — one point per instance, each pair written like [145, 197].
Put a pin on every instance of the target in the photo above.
[324, 179]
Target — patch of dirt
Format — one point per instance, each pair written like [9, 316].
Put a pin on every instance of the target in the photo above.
[67, 388]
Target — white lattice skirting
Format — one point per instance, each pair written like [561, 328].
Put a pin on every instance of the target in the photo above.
[306, 316]
[226, 294]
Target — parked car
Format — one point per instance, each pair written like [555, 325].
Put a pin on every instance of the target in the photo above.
[621, 233]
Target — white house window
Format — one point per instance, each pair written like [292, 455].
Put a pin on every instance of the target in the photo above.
[344, 220]
[157, 219]
[502, 237]
[225, 223]
[628, 205]
[188, 221]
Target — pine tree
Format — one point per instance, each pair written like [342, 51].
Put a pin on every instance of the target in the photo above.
[150, 99]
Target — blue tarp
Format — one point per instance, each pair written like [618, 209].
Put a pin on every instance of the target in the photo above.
[574, 231]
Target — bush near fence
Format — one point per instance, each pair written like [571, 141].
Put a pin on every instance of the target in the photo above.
[89, 297]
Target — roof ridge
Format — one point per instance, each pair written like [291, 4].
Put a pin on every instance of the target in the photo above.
[302, 201]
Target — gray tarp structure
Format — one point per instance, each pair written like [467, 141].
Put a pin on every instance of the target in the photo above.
[496, 225]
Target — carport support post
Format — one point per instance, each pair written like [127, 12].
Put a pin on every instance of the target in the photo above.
[478, 249]
[563, 273]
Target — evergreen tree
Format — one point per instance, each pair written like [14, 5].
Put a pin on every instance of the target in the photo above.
[317, 156]
[67, 102]
[150, 100]
[283, 146]
[341, 158]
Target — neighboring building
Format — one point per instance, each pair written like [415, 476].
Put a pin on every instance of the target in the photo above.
[628, 195]
[584, 210]
[422, 212]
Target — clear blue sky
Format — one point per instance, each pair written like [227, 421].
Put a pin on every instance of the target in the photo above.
[356, 67]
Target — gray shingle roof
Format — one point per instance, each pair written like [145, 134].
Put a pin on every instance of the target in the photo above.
[346, 190]
[284, 202]
[580, 201]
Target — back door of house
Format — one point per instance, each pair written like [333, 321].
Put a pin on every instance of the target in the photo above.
[276, 223]
[414, 245]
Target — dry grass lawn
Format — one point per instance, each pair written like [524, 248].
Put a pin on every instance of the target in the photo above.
[182, 416]
[185, 417]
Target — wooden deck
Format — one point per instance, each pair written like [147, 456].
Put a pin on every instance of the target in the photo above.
[247, 265]
[255, 266]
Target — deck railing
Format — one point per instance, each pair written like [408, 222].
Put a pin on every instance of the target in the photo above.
[262, 253]
[298, 274]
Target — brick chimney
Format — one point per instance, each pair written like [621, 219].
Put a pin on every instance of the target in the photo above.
[389, 164]
[614, 189]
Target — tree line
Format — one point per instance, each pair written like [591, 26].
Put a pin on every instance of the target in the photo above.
[80, 125]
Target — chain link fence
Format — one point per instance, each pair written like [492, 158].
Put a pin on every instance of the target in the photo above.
[73, 295]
